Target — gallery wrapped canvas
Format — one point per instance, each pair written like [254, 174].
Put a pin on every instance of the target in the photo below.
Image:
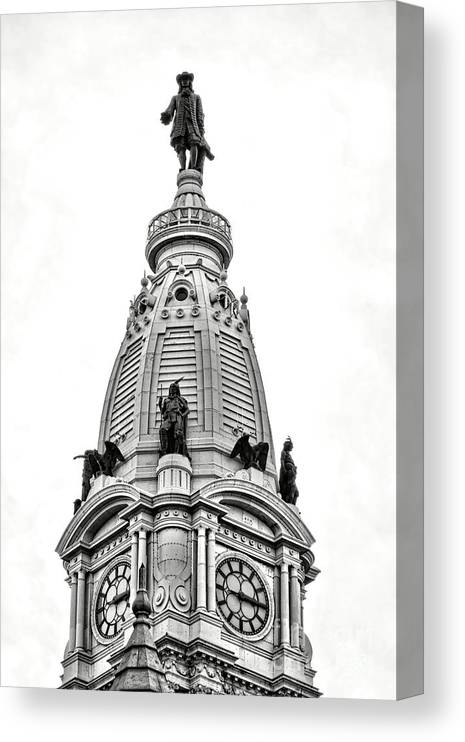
[213, 283]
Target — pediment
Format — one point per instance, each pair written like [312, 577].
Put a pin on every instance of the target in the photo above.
[266, 507]
[98, 515]
[250, 518]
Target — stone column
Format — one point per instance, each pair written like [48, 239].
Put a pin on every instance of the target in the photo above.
[80, 607]
[211, 588]
[72, 614]
[284, 604]
[295, 608]
[148, 577]
[277, 601]
[134, 550]
[201, 569]
[194, 566]
[154, 561]
[302, 598]
[142, 557]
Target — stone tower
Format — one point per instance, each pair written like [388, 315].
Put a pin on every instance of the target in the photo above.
[220, 560]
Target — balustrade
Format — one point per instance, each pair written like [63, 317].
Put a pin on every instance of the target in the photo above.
[189, 215]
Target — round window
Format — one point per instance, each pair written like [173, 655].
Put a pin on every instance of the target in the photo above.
[181, 294]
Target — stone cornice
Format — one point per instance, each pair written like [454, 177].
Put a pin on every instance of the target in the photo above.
[266, 503]
[90, 510]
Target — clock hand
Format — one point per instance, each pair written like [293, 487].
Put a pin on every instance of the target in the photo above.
[249, 599]
[118, 598]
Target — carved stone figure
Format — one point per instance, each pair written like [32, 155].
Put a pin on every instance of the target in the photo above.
[96, 463]
[186, 112]
[173, 429]
[287, 474]
[254, 456]
[132, 314]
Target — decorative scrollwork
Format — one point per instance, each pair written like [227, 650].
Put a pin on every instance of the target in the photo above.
[182, 595]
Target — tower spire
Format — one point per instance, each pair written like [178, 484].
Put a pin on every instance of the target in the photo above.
[140, 668]
[187, 518]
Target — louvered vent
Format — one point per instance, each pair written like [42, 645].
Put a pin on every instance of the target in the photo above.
[178, 359]
[238, 409]
[122, 416]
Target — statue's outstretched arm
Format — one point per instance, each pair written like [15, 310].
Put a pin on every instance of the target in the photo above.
[167, 116]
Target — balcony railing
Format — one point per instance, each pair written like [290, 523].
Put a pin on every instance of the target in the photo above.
[189, 215]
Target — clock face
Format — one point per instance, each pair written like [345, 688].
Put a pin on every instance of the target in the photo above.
[241, 596]
[112, 606]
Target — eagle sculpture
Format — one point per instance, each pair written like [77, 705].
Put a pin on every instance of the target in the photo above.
[96, 463]
[254, 456]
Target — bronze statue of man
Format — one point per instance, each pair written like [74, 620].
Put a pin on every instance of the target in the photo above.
[173, 429]
[287, 474]
[188, 124]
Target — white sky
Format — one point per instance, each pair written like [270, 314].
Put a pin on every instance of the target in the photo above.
[300, 114]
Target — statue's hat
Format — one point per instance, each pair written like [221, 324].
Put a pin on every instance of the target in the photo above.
[185, 76]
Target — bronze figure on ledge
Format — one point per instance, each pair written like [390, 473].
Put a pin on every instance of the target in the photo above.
[187, 132]
[287, 474]
[96, 463]
[173, 429]
[251, 456]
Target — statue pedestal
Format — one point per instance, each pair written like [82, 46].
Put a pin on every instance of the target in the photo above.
[256, 476]
[174, 474]
[250, 475]
[99, 483]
